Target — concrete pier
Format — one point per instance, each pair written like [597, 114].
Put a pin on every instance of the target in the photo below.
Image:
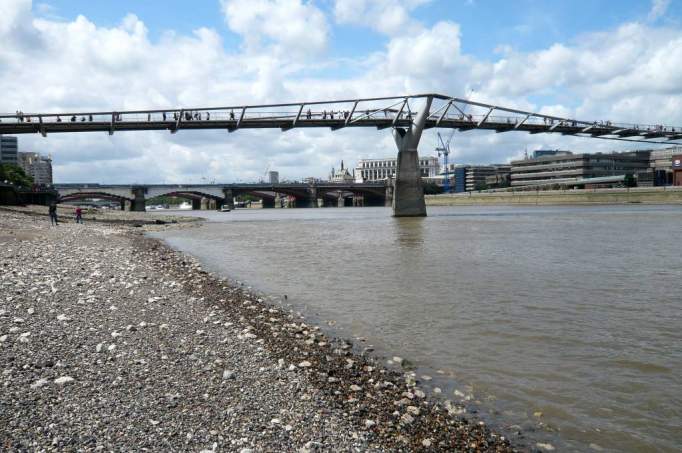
[139, 202]
[408, 194]
[229, 198]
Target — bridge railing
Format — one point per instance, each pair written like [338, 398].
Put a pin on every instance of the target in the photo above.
[380, 111]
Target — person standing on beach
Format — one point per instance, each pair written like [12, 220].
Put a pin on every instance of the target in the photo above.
[52, 210]
[79, 215]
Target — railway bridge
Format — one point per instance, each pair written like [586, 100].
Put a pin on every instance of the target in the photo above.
[305, 195]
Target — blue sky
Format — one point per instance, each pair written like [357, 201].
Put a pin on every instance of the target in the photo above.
[591, 60]
[528, 24]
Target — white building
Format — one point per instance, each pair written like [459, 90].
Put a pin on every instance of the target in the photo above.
[380, 169]
[37, 166]
[340, 175]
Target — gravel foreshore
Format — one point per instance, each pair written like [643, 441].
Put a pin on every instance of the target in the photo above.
[112, 341]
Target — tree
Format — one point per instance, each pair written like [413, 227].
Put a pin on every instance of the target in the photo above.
[431, 188]
[15, 176]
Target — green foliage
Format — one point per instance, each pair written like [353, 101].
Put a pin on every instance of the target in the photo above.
[15, 175]
[246, 197]
[431, 188]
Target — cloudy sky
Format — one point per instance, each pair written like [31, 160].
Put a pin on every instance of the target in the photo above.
[588, 59]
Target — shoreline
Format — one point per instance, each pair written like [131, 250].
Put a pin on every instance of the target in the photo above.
[376, 408]
[646, 196]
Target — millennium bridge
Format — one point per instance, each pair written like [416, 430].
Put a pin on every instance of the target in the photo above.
[407, 116]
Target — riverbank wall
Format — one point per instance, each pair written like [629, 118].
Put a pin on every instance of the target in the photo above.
[111, 340]
[653, 195]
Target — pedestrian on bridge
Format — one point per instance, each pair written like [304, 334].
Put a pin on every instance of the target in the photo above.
[52, 210]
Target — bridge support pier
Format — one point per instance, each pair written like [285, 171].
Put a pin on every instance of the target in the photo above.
[308, 201]
[229, 198]
[196, 204]
[408, 193]
[139, 203]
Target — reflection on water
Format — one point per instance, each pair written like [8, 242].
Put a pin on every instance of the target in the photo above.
[562, 317]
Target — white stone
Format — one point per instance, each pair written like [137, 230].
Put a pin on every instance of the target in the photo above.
[31, 310]
[355, 388]
[406, 419]
[111, 347]
[288, 427]
[39, 383]
[413, 410]
[398, 360]
[426, 442]
[99, 346]
[304, 364]
[3, 338]
[370, 423]
[23, 338]
[63, 380]
[275, 421]
[228, 374]
[62, 317]
[543, 446]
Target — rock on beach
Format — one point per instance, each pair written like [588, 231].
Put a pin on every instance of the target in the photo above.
[129, 345]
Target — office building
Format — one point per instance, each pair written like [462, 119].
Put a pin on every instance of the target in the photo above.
[568, 169]
[9, 147]
[273, 177]
[37, 166]
[380, 169]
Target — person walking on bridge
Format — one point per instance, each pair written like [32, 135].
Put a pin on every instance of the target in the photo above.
[52, 210]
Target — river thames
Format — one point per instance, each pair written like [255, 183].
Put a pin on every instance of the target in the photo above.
[565, 322]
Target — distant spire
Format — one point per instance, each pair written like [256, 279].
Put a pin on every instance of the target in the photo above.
[342, 165]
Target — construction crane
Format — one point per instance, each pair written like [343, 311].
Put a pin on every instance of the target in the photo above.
[443, 148]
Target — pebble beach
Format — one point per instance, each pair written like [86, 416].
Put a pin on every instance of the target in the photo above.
[110, 340]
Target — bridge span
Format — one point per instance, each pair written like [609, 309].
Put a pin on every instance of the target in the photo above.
[407, 116]
[305, 195]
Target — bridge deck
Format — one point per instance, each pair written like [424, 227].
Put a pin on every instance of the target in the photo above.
[509, 124]
[379, 113]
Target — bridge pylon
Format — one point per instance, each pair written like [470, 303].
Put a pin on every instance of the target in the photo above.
[408, 193]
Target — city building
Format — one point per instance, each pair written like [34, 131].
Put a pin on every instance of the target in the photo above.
[273, 177]
[476, 175]
[677, 170]
[340, 175]
[380, 169]
[9, 147]
[37, 166]
[549, 152]
[569, 169]
[661, 163]
[467, 178]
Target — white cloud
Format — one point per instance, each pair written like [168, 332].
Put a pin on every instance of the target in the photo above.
[658, 9]
[391, 17]
[293, 26]
[626, 74]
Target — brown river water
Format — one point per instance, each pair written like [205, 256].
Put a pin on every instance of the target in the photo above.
[563, 322]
